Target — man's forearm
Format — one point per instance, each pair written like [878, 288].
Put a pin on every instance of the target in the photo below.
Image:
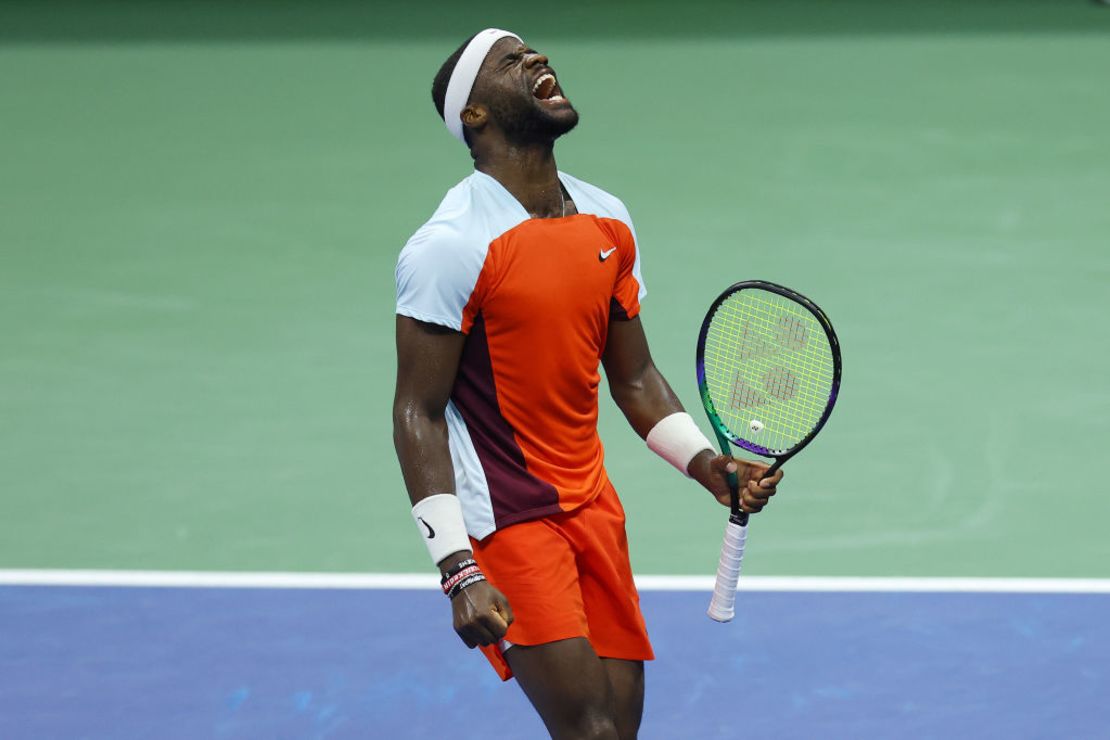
[654, 411]
[425, 456]
[423, 451]
[646, 400]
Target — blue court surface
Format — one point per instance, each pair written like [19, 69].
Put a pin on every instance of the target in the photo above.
[143, 662]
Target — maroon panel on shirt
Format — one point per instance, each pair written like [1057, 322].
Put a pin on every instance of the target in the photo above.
[515, 493]
[616, 311]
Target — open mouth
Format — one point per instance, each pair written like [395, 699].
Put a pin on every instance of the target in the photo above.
[546, 87]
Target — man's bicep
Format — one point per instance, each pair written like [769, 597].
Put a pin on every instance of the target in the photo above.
[427, 362]
[626, 356]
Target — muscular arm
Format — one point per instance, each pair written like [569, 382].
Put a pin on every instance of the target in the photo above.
[640, 390]
[427, 362]
[644, 397]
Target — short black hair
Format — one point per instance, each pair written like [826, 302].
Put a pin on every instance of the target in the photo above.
[443, 76]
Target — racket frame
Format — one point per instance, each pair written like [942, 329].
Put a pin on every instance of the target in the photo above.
[725, 436]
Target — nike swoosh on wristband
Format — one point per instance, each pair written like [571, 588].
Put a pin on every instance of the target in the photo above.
[431, 532]
[604, 255]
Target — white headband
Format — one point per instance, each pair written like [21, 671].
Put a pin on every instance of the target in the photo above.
[466, 71]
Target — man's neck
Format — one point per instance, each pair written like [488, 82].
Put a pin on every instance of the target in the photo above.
[529, 174]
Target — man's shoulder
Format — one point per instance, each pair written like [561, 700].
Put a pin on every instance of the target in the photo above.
[451, 216]
[466, 218]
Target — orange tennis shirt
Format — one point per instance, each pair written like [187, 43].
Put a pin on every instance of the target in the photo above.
[534, 298]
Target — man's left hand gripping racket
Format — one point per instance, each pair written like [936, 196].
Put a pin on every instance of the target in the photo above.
[769, 373]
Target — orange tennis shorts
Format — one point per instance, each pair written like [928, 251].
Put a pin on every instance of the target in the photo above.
[567, 575]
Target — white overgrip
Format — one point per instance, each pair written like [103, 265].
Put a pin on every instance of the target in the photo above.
[722, 607]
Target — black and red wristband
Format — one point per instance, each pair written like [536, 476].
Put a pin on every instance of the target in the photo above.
[459, 576]
[465, 583]
[448, 584]
[457, 567]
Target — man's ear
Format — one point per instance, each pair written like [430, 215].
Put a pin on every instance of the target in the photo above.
[475, 117]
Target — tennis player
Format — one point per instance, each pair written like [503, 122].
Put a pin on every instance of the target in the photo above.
[521, 284]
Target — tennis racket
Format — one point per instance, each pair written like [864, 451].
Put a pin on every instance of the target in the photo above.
[769, 372]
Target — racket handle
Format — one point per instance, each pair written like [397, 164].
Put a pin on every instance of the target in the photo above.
[722, 607]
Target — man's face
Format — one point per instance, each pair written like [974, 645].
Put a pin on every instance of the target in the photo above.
[522, 94]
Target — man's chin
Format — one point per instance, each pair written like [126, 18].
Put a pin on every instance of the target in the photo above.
[562, 120]
[540, 124]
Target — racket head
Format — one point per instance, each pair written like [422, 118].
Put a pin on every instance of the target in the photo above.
[768, 365]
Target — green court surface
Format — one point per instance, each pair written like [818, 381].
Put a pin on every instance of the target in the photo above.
[201, 208]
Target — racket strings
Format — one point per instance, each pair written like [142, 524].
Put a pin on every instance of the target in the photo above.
[776, 396]
[768, 368]
[758, 342]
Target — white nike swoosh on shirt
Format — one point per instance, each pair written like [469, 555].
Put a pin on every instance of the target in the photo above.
[605, 255]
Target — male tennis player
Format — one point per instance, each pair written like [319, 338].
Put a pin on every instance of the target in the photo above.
[524, 281]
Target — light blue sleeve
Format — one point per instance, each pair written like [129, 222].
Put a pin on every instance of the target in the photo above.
[436, 274]
[620, 213]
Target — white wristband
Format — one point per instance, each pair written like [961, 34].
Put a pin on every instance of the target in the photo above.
[677, 439]
[440, 521]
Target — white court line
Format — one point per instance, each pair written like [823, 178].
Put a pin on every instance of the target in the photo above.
[212, 579]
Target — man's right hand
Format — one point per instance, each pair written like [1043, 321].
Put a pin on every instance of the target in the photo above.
[711, 470]
[482, 614]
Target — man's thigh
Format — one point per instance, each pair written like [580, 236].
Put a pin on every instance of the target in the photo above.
[626, 692]
[569, 685]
